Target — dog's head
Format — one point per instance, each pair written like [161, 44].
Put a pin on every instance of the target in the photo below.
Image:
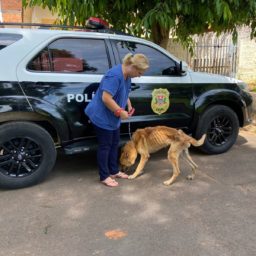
[128, 155]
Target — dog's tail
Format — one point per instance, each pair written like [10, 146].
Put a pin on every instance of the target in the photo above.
[197, 143]
[194, 142]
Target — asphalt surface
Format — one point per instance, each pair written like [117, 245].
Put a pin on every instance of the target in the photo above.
[72, 214]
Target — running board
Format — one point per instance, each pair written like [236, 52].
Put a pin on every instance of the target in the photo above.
[80, 147]
[75, 150]
[86, 145]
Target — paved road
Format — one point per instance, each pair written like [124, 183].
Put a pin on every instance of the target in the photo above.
[71, 214]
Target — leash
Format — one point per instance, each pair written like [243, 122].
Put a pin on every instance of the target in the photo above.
[130, 113]
[129, 130]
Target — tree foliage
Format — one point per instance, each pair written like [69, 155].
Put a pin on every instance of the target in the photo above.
[156, 19]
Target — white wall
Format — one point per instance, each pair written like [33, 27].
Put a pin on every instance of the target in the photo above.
[40, 15]
[246, 69]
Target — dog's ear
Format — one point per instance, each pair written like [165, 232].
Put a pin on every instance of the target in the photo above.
[126, 154]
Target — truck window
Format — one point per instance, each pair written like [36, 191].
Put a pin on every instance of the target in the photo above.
[7, 39]
[76, 55]
[159, 62]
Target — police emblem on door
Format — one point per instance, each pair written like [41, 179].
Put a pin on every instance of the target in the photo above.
[160, 100]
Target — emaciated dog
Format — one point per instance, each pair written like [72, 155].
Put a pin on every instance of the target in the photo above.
[151, 139]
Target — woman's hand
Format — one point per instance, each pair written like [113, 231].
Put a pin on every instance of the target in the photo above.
[124, 115]
[130, 108]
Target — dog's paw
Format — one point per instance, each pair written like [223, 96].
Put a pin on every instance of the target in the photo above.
[166, 183]
[131, 177]
[190, 177]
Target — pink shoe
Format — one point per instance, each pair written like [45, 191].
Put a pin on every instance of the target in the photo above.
[110, 182]
[120, 175]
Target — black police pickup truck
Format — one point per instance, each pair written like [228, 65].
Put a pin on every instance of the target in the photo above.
[48, 76]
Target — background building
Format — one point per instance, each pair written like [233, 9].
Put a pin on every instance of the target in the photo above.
[11, 11]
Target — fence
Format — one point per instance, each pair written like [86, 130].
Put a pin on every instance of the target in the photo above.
[212, 54]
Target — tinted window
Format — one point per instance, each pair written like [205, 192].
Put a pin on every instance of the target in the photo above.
[73, 55]
[41, 62]
[7, 39]
[159, 62]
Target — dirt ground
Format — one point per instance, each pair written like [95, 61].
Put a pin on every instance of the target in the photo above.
[251, 127]
[72, 214]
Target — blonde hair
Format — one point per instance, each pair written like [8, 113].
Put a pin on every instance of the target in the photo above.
[138, 60]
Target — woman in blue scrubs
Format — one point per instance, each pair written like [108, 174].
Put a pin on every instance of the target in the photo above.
[108, 108]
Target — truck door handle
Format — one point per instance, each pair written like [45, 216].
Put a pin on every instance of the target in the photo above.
[134, 87]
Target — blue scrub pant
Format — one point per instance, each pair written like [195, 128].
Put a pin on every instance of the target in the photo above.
[107, 154]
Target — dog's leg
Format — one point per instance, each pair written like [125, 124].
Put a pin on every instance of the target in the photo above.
[173, 157]
[192, 164]
[138, 171]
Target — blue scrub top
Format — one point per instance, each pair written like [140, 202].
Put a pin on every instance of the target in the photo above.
[114, 83]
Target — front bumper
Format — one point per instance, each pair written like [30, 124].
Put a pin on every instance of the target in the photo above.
[248, 113]
[248, 110]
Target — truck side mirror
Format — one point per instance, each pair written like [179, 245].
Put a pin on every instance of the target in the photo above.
[183, 68]
[178, 69]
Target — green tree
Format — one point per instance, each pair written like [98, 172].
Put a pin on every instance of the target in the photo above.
[156, 19]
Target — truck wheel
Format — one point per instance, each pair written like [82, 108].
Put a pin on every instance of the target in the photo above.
[221, 125]
[27, 154]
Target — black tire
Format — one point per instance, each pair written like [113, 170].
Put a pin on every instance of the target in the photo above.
[27, 154]
[221, 125]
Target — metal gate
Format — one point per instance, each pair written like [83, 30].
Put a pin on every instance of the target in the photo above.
[214, 54]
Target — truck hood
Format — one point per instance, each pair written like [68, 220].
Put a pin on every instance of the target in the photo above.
[200, 77]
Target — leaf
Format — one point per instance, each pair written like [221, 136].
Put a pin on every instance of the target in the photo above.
[227, 15]
[218, 8]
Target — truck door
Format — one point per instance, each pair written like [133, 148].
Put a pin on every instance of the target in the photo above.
[162, 96]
